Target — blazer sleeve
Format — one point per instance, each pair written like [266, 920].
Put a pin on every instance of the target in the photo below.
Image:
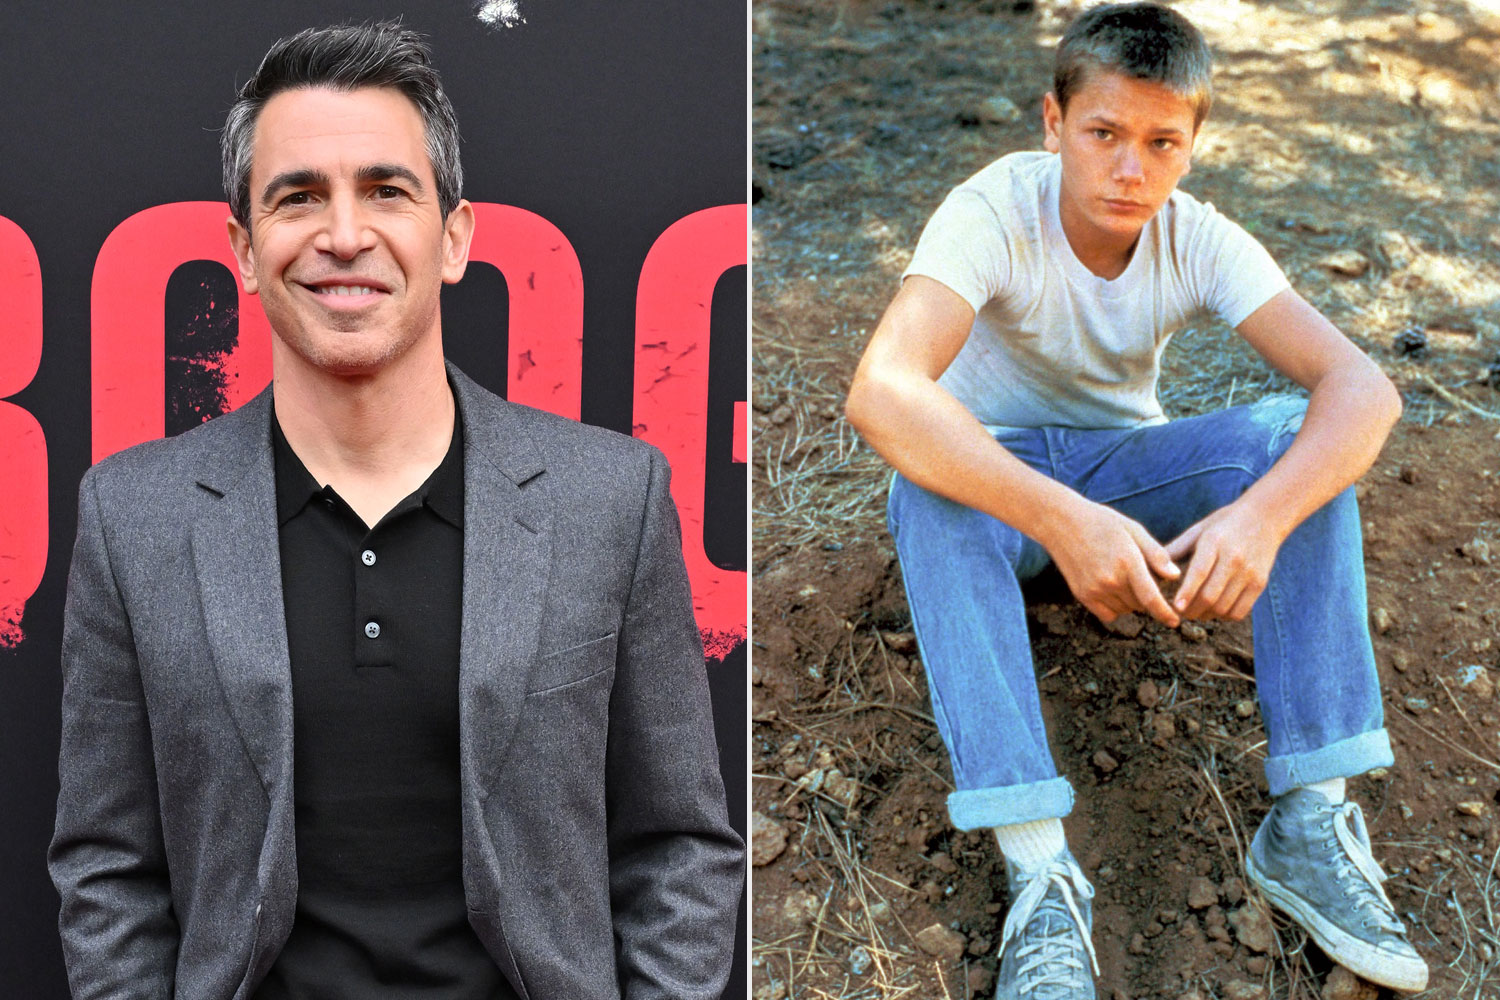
[107, 859]
[676, 865]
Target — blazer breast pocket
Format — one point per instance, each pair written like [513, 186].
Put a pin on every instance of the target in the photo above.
[573, 665]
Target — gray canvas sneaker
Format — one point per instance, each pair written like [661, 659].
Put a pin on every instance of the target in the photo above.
[1046, 952]
[1312, 859]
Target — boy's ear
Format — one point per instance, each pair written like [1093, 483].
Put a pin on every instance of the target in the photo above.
[1051, 123]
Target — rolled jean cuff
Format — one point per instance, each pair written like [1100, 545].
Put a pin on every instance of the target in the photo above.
[1343, 759]
[977, 808]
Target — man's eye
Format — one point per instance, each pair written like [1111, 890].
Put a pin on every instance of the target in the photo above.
[1165, 144]
[297, 198]
[1101, 133]
[389, 191]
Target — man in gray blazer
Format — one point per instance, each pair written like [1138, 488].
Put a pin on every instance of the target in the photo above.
[380, 686]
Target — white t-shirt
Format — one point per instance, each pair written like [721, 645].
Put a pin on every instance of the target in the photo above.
[1052, 342]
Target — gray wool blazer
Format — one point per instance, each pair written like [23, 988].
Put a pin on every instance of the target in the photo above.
[597, 857]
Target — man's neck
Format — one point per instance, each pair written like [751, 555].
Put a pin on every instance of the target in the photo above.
[373, 438]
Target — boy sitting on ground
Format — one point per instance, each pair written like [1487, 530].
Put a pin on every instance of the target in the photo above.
[1011, 383]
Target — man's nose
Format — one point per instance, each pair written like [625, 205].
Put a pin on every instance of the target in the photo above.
[346, 230]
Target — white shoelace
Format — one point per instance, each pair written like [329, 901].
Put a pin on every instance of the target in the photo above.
[1050, 949]
[1354, 838]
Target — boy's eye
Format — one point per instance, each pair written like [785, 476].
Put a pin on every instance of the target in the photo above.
[1101, 133]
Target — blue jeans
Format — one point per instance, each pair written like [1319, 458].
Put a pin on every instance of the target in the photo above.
[1314, 665]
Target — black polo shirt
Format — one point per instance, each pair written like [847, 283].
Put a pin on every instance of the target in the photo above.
[373, 619]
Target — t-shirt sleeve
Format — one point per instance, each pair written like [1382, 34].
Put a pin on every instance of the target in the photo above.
[1234, 275]
[964, 246]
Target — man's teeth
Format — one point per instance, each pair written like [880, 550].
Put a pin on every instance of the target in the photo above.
[346, 290]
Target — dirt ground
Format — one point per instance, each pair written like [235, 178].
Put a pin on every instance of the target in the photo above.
[1357, 141]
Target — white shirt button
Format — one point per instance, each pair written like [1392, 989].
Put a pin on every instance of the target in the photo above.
[372, 629]
[367, 557]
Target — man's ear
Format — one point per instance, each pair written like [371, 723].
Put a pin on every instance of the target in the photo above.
[239, 242]
[1051, 123]
[458, 233]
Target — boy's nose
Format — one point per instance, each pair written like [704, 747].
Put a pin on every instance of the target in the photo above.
[1128, 166]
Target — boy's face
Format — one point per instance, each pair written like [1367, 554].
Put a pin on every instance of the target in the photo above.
[1124, 143]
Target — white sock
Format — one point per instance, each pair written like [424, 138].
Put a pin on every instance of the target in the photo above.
[1029, 846]
[1332, 789]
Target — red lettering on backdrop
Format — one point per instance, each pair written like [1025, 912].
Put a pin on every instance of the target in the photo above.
[545, 284]
[672, 321]
[129, 320]
[23, 447]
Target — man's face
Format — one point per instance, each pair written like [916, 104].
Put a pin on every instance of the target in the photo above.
[347, 247]
[1124, 143]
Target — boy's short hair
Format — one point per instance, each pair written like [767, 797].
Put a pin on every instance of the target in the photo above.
[1144, 41]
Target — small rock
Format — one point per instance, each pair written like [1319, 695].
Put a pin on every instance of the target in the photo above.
[767, 839]
[1409, 474]
[1240, 989]
[1256, 965]
[859, 960]
[1349, 263]
[1147, 694]
[1164, 727]
[1381, 619]
[980, 980]
[1415, 704]
[904, 643]
[999, 109]
[943, 863]
[1252, 927]
[940, 942]
[1129, 625]
[1104, 762]
[880, 912]
[1400, 660]
[1475, 808]
[1476, 679]
[771, 991]
[841, 788]
[1394, 248]
[1411, 343]
[1202, 893]
[781, 414]
[1233, 890]
[1244, 709]
[801, 907]
[1477, 551]
[1342, 984]
[1192, 631]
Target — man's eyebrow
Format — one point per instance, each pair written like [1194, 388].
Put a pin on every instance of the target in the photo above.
[293, 179]
[389, 171]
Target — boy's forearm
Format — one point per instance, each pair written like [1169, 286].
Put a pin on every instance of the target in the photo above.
[1349, 415]
[935, 442]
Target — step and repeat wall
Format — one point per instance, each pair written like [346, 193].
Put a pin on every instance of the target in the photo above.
[604, 150]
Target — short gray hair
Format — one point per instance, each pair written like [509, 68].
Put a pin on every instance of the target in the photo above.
[345, 57]
[1143, 41]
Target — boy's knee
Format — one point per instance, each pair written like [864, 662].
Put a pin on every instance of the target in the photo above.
[1278, 419]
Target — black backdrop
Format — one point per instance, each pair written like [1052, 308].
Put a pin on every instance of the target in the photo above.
[610, 119]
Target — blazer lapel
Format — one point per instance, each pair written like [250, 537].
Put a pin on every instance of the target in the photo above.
[236, 552]
[507, 550]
